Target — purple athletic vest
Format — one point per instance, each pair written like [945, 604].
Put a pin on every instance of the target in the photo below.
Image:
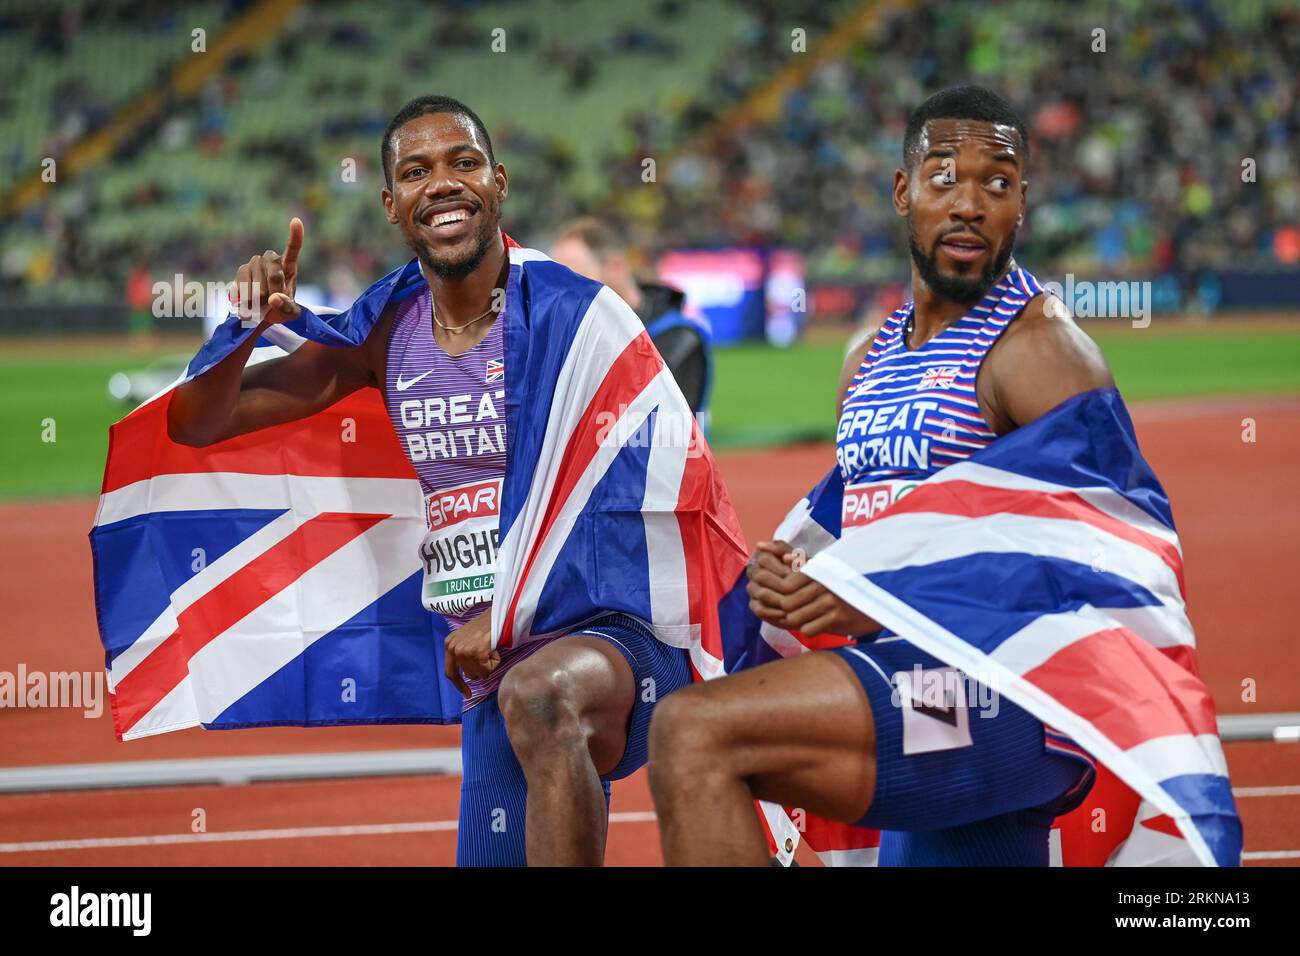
[449, 412]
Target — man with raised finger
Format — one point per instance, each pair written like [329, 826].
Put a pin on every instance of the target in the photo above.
[569, 538]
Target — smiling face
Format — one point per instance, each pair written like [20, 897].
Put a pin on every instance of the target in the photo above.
[446, 194]
[963, 195]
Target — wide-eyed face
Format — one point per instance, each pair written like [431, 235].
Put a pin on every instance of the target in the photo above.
[963, 194]
[446, 194]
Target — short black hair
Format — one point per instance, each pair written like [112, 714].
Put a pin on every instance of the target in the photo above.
[962, 102]
[423, 106]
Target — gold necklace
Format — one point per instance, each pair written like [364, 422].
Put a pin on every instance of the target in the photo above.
[455, 328]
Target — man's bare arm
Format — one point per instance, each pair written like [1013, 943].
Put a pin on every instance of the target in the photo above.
[1042, 359]
[230, 400]
[852, 361]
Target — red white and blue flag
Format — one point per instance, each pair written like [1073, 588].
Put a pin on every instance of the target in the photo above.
[939, 377]
[274, 578]
[1047, 565]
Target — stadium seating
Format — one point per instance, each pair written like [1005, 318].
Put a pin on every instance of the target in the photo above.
[1137, 161]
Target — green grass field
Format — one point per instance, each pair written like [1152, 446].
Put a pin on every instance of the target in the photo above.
[767, 396]
[762, 396]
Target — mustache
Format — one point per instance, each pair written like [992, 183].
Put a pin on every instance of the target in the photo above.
[964, 231]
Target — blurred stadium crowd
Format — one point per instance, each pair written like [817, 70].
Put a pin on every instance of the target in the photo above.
[1136, 166]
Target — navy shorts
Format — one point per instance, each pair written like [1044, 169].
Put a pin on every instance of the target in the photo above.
[493, 796]
[963, 776]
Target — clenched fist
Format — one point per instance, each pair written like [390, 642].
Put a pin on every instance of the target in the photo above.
[788, 598]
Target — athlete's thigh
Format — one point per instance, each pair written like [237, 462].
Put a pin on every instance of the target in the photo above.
[949, 751]
[799, 730]
[587, 676]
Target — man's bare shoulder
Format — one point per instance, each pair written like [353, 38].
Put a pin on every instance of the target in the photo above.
[853, 358]
[1040, 360]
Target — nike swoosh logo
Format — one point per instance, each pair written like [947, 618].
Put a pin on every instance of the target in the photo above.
[403, 386]
[868, 385]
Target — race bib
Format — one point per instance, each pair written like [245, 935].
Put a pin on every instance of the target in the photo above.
[865, 502]
[460, 548]
[935, 712]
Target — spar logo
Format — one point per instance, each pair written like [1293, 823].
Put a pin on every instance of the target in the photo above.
[478, 500]
[864, 503]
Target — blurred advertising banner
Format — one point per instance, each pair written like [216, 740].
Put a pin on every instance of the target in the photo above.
[740, 293]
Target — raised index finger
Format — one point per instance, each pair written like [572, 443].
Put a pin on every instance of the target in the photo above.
[291, 249]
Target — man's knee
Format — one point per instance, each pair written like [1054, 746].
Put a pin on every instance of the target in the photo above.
[687, 731]
[539, 710]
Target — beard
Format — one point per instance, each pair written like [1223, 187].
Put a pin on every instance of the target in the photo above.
[453, 264]
[966, 290]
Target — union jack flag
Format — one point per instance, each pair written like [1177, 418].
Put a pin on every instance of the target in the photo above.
[940, 377]
[274, 578]
[1070, 576]
[496, 371]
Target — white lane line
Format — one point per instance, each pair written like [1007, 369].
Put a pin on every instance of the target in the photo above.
[1291, 790]
[290, 833]
[1271, 855]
